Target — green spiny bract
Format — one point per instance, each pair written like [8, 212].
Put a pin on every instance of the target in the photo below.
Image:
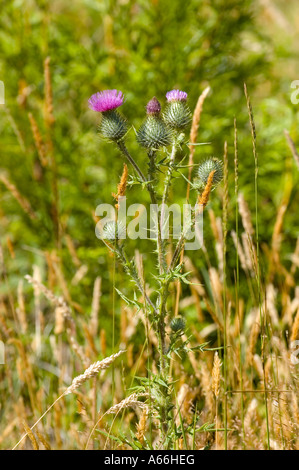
[114, 230]
[153, 133]
[177, 115]
[205, 169]
[113, 126]
[177, 324]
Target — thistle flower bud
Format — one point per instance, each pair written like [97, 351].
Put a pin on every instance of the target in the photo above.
[153, 133]
[206, 167]
[177, 114]
[114, 230]
[153, 106]
[177, 324]
[113, 126]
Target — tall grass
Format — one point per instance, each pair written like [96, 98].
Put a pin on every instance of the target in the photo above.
[247, 401]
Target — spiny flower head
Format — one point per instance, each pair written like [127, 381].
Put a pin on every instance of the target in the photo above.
[177, 114]
[106, 100]
[113, 126]
[176, 95]
[206, 167]
[177, 324]
[153, 106]
[153, 133]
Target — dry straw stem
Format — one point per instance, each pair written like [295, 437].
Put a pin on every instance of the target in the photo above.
[206, 387]
[276, 237]
[185, 404]
[122, 186]
[64, 310]
[216, 375]
[245, 215]
[194, 130]
[204, 198]
[49, 118]
[240, 251]
[94, 317]
[292, 147]
[31, 436]
[295, 328]
[141, 426]
[57, 301]
[16, 194]
[38, 140]
[89, 373]
[21, 312]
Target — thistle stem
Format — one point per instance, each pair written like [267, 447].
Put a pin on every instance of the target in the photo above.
[124, 150]
[161, 251]
[122, 255]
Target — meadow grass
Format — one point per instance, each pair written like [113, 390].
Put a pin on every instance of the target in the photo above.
[87, 366]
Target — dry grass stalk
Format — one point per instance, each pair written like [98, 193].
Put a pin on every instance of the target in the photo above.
[38, 140]
[129, 402]
[57, 301]
[49, 117]
[253, 337]
[103, 342]
[66, 312]
[295, 258]
[71, 247]
[122, 186]
[142, 425]
[277, 237]
[295, 328]
[18, 197]
[185, 404]
[59, 320]
[270, 307]
[240, 251]
[216, 375]
[21, 312]
[194, 131]
[245, 215]
[92, 371]
[216, 287]
[250, 255]
[204, 197]
[79, 275]
[44, 442]
[206, 387]
[95, 306]
[31, 436]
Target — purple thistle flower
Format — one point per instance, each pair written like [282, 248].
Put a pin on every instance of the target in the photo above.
[176, 95]
[106, 100]
[153, 106]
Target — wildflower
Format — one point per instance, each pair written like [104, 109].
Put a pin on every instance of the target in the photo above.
[206, 167]
[106, 100]
[176, 95]
[153, 133]
[113, 126]
[177, 114]
[153, 106]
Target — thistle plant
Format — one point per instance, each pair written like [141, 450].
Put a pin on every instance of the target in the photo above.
[161, 132]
